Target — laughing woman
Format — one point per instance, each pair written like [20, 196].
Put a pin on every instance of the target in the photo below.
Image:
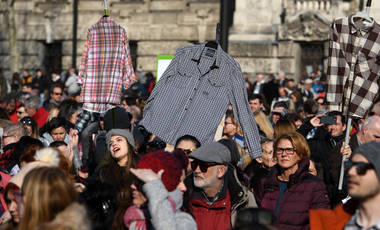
[121, 147]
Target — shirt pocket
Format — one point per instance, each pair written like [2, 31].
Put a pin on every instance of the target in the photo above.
[366, 64]
[213, 87]
[183, 78]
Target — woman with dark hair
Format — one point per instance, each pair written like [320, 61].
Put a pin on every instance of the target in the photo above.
[120, 144]
[70, 113]
[99, 199]
[186, 141]
[31, 125]
[289, 190]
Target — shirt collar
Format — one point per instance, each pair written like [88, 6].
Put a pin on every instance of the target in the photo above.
[198, 53]
[106, 19]
[355, 220]
[359, 26]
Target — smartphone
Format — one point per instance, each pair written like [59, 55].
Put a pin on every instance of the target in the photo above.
[328, 120]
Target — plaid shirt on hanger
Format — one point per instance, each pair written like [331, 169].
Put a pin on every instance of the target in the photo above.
[106, 64]
[353, 56]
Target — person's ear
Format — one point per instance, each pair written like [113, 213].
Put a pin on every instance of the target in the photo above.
[221, 171]
[259, 160]
[365, 129]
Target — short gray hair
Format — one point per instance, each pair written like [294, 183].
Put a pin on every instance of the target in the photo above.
[33, 102]
[16, 129]
[371, 121]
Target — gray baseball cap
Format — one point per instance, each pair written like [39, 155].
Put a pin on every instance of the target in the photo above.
[212, 152]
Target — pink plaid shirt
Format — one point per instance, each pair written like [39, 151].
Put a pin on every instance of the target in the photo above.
[106, 65]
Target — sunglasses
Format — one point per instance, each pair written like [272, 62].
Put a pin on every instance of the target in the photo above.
[157, 143]
[202, 166]
[19, 112]
[187, 151]
[56, 94]
[138, 183]
[361, 168]
[27, 122]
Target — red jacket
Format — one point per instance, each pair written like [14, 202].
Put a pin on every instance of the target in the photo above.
[41, 116]
[322, 219]
[304, 192]
[221, 214]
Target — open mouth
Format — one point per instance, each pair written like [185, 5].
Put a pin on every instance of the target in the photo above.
[116, 149]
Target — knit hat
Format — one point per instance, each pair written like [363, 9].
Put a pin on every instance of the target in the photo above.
[122, 119]
[120, 132]
[163, 160]
[371, 152]
[212, 152]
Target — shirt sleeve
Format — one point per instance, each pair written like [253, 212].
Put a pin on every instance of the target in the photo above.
[334, 82]
[128, 72]
[243, 114]
[83, 64]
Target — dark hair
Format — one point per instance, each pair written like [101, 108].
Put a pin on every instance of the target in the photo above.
[129, 101]
[53, 87]
[99, 199]
[311, 106]
[24, 143]
[188, 138]
[69, 102]
[29, 85]
[4, 114]
[56, 144]
[293, 117]
[112, 173]
[256, 176]
[256, 96]
[56, 122]
[232, 146]
[337, 113]
[280, 104]
[67, 111]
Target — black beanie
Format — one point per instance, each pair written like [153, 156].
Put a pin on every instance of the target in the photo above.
[122, 119]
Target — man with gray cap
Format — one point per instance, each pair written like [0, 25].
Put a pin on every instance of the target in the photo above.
[217, 193]
[363, 210]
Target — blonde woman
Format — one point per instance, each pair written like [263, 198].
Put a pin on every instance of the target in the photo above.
[264, 124]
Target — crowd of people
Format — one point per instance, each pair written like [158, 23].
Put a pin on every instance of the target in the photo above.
[111, 174]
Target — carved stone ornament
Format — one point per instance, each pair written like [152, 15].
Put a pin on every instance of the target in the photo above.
[306, 27]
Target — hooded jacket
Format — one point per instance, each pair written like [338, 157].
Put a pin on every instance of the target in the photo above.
[237, 197]
[304, 192]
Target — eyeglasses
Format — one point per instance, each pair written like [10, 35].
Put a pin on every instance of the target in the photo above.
[361, 168]
[187, 151]
[228, 123]
[288, 151]
[56, 94]
[19, 112]
[3, 137]
[157, 143]
[27, 122]
[202, 166]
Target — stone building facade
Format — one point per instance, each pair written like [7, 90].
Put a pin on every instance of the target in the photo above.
[266, 35]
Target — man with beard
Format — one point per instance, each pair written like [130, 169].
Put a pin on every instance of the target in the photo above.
[362, 211]
[217, 194]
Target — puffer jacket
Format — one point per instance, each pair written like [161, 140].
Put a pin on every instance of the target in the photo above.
[304, 192]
